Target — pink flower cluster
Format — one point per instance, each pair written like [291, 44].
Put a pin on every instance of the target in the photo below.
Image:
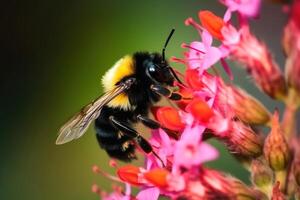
[213, 108]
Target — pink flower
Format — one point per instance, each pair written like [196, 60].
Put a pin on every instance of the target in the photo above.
[151, 193]
[247, 8]
[191, 151]
[202, 55]
[212, 26]
[258, 60]
[164, 147]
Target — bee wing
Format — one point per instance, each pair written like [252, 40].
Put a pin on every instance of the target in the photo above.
[79, 123]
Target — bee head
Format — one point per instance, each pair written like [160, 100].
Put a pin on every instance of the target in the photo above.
[158, 69]
[161, 70]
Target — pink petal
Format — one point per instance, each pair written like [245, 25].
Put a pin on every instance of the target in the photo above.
[231, 35]
[212, 56]
[250, 8]
[206, 38]
[127, 189]
[193, 134]
[176, 182]
[148, 194]
[227, 15]
[198, 45]
[187, 118]
[165, 140]
[208, 152]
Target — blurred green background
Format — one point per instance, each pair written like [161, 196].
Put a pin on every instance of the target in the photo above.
[55, 53]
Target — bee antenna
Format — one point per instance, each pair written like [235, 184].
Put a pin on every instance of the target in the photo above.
[166, 44]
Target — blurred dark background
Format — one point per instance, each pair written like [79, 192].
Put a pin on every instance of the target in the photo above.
[53, 56]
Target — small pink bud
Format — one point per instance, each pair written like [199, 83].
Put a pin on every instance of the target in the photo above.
[243, 192]
[245, 107]
[218, 184]
[259, 63]
[227, 187]
[276, 149]
[243, 142]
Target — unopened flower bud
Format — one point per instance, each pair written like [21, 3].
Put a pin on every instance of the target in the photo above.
[276, 149]
[243, 141]
[261, 175]
[259, 63]
[246, 107]
[217, 184]
[243, 192]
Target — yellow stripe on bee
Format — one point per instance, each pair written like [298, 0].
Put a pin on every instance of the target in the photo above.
[123, 67]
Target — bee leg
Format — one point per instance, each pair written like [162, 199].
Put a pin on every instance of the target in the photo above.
[161, 90]
[147, 148]
[130, 132]
[150, 123]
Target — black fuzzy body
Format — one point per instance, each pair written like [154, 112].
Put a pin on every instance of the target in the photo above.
[141, 98]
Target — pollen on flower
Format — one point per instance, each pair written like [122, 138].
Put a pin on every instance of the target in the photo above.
[212, 23]
[169, 118]
[192, 78]
[130, 174]
[157, 177]
[200, 110]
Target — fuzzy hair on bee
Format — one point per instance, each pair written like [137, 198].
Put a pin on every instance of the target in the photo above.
[131, 87]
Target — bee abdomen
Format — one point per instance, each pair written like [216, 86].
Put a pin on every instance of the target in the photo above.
[112, 141]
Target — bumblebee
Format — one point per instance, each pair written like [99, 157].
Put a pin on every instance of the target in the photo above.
[131, 87]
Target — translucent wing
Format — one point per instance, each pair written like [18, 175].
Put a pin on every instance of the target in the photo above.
[77, 125]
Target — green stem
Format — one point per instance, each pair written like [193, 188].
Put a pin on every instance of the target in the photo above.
[289, 117]
[281, 176]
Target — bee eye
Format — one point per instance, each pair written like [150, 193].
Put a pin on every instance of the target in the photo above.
[152, 68]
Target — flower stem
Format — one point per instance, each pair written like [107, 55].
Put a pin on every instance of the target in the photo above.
[289, 117]
[281, 176]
